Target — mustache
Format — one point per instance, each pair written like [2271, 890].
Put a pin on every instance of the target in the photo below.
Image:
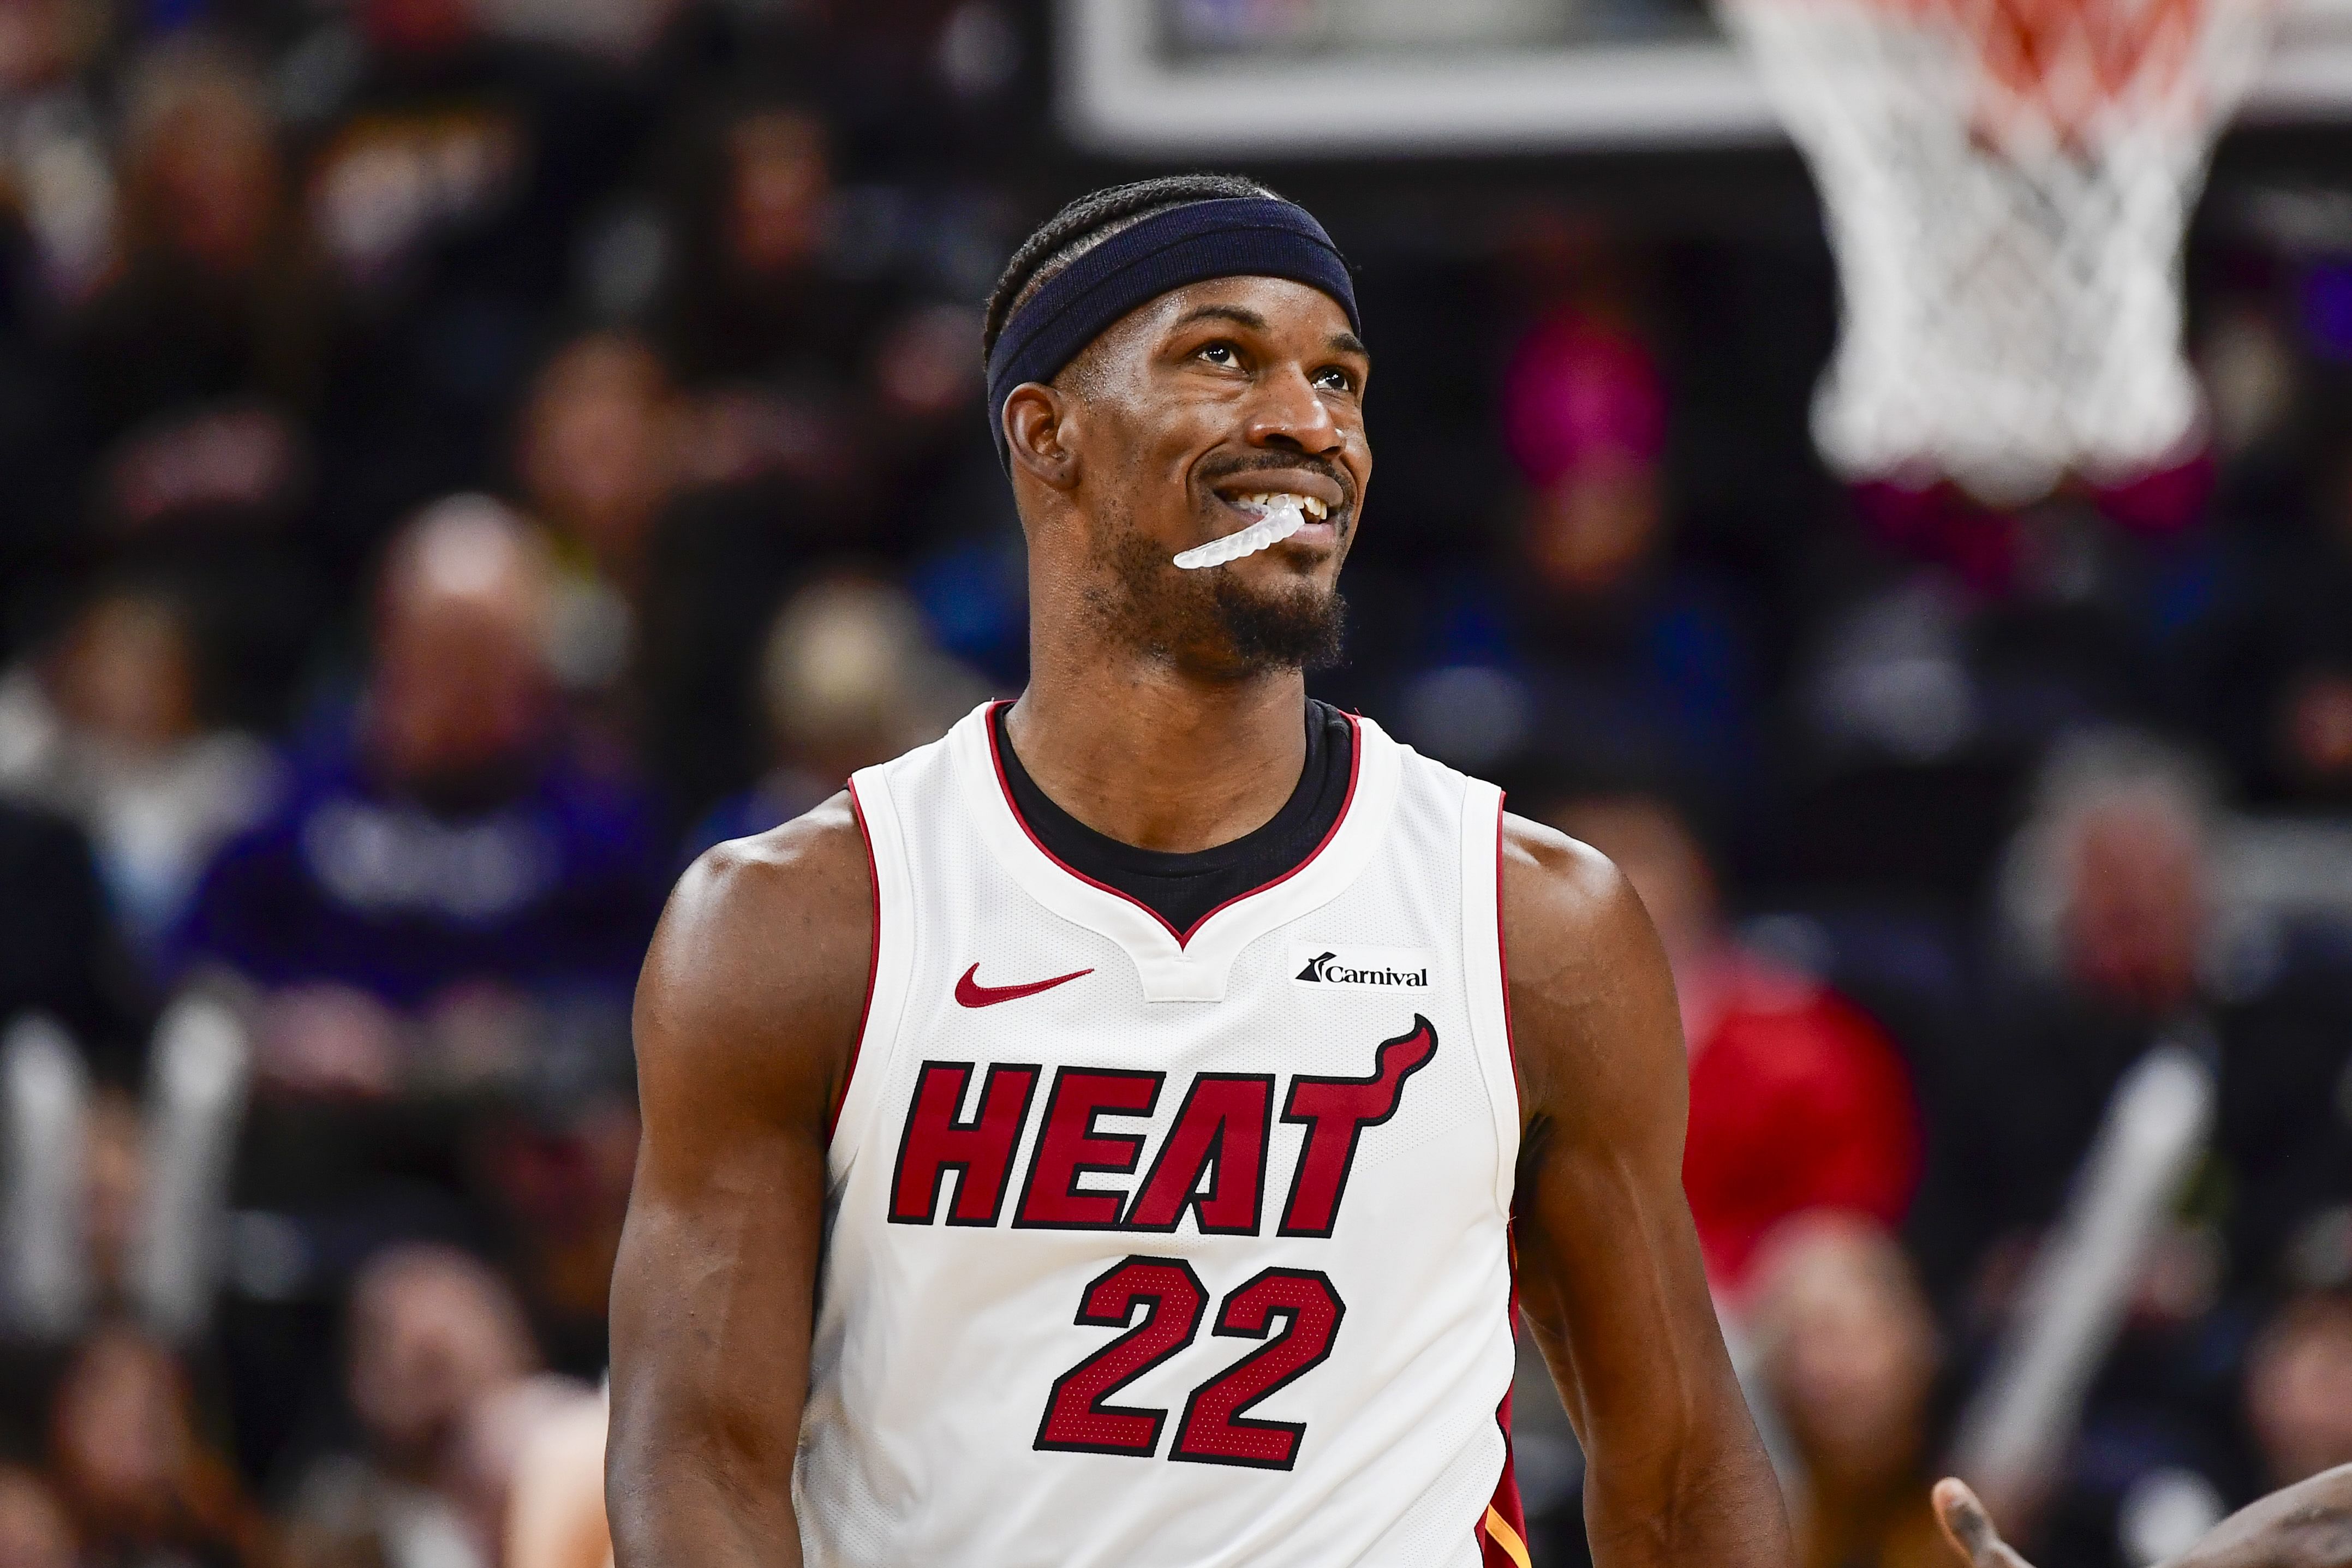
[1211, 472]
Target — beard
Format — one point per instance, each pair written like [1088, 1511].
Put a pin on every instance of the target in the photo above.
[1211, 621]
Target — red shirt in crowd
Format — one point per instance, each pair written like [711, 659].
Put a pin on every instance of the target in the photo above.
[1799, 1100]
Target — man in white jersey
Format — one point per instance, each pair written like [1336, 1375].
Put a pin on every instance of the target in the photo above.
[1112, 1136]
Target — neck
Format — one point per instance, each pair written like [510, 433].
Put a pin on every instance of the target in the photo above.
[1157, 759]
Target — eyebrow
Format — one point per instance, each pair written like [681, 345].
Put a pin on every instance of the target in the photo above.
[1234, 313]
[1338, 343]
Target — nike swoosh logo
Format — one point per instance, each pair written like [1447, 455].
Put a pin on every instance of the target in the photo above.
[971, 993]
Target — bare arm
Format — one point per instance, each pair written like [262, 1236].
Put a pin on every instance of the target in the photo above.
[2308, 1525]
[746, 1020]
[1610, 1266]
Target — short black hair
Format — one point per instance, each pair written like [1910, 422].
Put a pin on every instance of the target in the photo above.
[1086, 222]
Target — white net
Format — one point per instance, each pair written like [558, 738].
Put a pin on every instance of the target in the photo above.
[2008, 183]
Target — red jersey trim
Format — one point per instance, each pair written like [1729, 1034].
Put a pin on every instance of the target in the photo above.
[1355, 772]
[1503, 959]
[873, 965]
[1503, 1532]
[1503, 1529]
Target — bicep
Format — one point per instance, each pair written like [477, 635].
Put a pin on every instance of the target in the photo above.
[1615, 1287]
[745, 1019]
[713, 1296]
[1612, 1272]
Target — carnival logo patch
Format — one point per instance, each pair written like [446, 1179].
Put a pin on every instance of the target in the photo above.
[1361, 968]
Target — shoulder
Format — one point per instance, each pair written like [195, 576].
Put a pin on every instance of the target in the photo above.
[1566, 907]
[1592, 1000]
[789, 910]
[761, 962]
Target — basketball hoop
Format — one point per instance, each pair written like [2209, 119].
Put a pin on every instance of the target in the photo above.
[2007, 182]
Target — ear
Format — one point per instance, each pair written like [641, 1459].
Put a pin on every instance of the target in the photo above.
[1038, 424]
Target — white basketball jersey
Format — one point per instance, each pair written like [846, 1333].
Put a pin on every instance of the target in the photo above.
[1149, 1250]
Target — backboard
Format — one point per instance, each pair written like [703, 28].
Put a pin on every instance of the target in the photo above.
[1303, 79]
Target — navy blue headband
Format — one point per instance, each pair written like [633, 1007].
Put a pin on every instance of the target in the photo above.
[1242, 236]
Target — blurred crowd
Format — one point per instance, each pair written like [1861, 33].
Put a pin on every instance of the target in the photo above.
[463, 457]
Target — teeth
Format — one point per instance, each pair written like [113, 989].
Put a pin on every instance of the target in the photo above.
[1272, 500]
[1281, 518]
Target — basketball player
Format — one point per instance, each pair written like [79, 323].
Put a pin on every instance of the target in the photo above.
[1110, 1135]
[2308, 1525]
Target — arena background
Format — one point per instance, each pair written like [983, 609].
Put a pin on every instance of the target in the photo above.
[458, 458]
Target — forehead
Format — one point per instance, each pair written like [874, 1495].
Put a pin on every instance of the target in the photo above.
[1288, 310]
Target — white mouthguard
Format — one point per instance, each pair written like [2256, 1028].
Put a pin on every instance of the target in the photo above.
[1276, 526]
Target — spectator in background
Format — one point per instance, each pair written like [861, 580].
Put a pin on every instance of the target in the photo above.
[653, 606]
[443, 173]
[1584, 412]
[55, 183]
[2107, 891]
[500, 1435]
[109, 729]
[2278, 684]
[850, 677]
[113, 1192]
[556, 1519]
[449, 837]
[1627, 658]
[596, 456]
[927, 85]
[756, 294]
[1799, 1100]
[765, 327]
[197, 371]
[621, 31]
[2299, 1388]
[1850, 1357]
[930, 434]
[60, 954]
[826, 414]
[56, 238]
[142, 1491]
[93, 1225]
[556, 1170]
[34, 1531]
[2110, 897]
[449, 174]
[201, 353]
[433, 1340]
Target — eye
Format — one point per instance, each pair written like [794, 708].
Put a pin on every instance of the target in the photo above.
[1220, 354]
[1332, 378]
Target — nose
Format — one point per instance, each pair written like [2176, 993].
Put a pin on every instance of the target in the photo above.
[1288, 416]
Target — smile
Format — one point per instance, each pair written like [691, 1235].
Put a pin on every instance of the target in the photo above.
[1269, 502]
[1279, 516]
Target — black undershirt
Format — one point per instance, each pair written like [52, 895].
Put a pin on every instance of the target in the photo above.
[1182, 888]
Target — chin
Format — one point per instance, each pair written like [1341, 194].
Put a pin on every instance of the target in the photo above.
[1294, 623]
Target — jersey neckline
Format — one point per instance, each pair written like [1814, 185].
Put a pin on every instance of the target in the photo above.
[1190, 965]
[996, 749]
